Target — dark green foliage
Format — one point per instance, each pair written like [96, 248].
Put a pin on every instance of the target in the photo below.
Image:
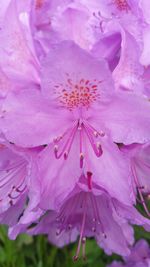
[29, 251]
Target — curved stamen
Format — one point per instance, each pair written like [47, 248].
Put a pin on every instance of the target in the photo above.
[18, 191]
[96, 147]
[101, 20]
[67, 146]
[12, 166]
[85, 207]
[93, 130]
[83, 128]
[11, 176]
[133, 169]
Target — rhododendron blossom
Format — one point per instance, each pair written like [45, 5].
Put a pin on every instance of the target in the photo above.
[140, 256]
[139, 158]
[88, 211]
[75, 120]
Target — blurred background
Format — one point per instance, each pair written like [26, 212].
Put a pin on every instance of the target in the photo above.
[27, 251]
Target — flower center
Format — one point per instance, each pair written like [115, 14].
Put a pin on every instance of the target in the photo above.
[63, 143]
[73, 94]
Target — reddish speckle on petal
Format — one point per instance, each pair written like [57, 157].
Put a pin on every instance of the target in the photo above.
[122, 5]
[39, 4]
[2, 146]
[89, 180]
[77, 94]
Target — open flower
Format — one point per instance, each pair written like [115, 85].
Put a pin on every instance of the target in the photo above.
[139, 257]
[87, 211]
[79, 113]
[139, 157]
[59, 91]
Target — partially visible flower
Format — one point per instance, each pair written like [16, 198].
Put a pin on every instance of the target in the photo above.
[123, 37]
[14, 171]
[139, 257]
[128, 73]
[16, 186]
[17, 55]
[139, 157]
[88, 211]
[144, 5]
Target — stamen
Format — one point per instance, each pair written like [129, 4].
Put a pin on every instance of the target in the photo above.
[97, 149]
[94, 131]
[89, 180]
[13, 174]
[65, 155]
[96, 219]
[67, 146]
[83, 128]
[75, 258]
[133, 169]
[84, 248]
[81, 160]
[81, 144]
[82, 204]
[96, 134]
[101, 19]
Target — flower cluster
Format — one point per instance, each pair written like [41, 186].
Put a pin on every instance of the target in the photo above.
[75, 120]
[139, 257]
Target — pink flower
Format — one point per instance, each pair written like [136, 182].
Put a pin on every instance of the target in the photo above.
[80, 114]
[60, 65]
[16, 186]
[139, 157]
[139, 257]
[88, 211]
[13, 176]
[66, 71]
[17, 54]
